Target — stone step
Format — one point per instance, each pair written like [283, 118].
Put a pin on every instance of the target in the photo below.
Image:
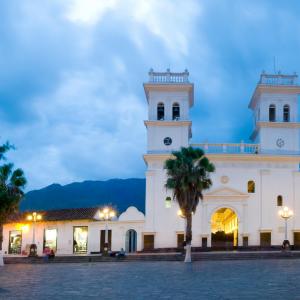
[156, 257]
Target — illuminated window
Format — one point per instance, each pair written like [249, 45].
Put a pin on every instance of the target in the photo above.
[80, 239]
[15, 242]
[286, 113]
[160, 111]
[176, 111]
[251, 186]
[279, 200]
[272, 113]
[50, 239]
[168, 202]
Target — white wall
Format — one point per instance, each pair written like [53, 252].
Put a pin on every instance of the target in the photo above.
[156, 134]
[65, 234]
[279, 100]
[256, 212]
[168, 98]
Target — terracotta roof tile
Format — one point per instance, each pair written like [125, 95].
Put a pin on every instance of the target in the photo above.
[87, 213]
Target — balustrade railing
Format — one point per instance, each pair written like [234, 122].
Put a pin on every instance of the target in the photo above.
[278, 79]
[230, 148]
[168, 77]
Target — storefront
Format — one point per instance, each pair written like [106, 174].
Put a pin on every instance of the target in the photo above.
[15, 242]
[80, 239]
[50, 239]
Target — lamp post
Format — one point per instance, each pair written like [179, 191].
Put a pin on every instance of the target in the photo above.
[106, 214]
[285, 213]
[34, 217]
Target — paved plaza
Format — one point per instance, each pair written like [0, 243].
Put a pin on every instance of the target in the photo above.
[254, 279]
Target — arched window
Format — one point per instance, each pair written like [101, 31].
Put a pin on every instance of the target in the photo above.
[286, 113]
[160, 111]
[272, 113]
[176, 111]
[168, 202]
[279, 200]
[251, 186]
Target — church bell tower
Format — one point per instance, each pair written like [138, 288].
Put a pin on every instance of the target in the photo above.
[169, 96]
[275, 109]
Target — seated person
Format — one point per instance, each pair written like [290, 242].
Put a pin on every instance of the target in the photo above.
[51, 254]
[121, 253]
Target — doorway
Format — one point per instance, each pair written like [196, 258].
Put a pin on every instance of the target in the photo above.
[102, 240]
[131, 241]
[224, 229]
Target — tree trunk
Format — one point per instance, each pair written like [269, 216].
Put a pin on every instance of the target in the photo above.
[1, 240]
[188, 239]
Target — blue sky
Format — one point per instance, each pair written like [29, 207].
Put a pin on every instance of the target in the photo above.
[71, 74]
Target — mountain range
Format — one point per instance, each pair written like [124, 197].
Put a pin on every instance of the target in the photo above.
[119, 193]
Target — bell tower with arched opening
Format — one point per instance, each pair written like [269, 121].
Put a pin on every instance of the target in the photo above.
[170, 97]
[275, 110]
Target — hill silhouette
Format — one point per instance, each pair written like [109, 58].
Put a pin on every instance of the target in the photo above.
[120, 193]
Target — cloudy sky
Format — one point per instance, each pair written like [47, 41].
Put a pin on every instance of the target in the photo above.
[71, 74]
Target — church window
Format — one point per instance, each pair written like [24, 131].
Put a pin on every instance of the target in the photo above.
[286, 113]
[272, 113]
[176, 111]
[160, 111]
[279, 200]
[168, 202]
[251, 186]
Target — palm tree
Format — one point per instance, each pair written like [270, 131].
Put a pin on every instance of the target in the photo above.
[188, 175]
[12, 183]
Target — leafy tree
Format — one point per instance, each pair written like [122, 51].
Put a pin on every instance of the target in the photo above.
[188, 175]
[12, 183]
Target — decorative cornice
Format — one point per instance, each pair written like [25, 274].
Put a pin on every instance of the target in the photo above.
[272, 89]
[278, 124]
[160, 157]
[170, 87]
[254, 157]
[225, 193]
[265, 230]
[167, 123]
[232, 157]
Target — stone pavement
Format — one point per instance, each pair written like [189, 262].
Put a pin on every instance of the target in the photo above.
[253, 279]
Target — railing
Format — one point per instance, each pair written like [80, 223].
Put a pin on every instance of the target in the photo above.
[168, 77]
[241, 148]
[278, 79]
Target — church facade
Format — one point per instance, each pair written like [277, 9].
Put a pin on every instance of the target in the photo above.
[251, 183]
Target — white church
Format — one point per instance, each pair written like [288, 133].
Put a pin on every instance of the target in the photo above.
[252, 182]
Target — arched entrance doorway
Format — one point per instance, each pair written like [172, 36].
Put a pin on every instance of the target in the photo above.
[224, 228]
[131, 241]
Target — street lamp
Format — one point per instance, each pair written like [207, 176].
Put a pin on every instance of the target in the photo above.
[34, 217]
[106, 214]
[180, 213]
[286, 213]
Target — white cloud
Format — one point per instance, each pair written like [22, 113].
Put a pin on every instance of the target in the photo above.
[171, 21]
[87, 128]
[73, 73]
[89, 12]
